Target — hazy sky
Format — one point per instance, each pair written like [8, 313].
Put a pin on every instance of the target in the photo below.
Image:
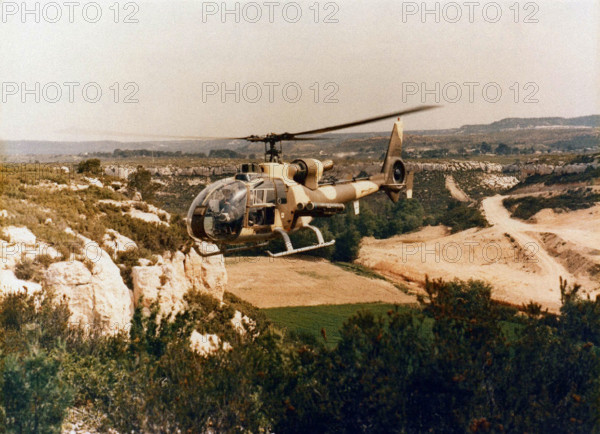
[187, 63]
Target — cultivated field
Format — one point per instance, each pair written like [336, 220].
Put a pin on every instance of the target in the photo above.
[296, 281]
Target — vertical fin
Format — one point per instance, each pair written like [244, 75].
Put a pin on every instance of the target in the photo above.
[394, 150]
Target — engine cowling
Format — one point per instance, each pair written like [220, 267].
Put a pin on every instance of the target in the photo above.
[308, 171]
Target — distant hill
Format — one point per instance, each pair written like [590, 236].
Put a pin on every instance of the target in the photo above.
[507, 124]
[32, 148]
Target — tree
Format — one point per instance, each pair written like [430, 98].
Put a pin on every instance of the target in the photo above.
[503, 149]
[347, 245]
[485, 148]
[91, 166]
[141, 180]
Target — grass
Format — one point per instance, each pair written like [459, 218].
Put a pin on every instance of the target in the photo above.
[311, 319]
[361, 270]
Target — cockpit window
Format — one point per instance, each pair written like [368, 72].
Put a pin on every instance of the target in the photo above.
[263, 193]
[218, 211]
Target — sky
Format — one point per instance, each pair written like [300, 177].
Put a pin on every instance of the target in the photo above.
[132, 70]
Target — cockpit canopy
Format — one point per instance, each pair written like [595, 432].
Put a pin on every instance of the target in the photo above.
[223, 209]
[218, 211]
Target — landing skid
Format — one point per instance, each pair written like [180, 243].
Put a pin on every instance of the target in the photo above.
[222, 251]
[290, 248]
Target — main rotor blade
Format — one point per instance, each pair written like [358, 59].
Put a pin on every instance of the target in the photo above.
[365, 121]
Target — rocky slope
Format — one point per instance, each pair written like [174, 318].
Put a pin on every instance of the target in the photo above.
[72, 245]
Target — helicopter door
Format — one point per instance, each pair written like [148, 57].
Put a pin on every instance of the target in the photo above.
[262, 205]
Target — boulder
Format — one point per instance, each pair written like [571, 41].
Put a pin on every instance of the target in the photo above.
[242, 323]
[174, 275]
[166, 283]
[206, 274]
[98, 296]
[117, 242]
[73, 281]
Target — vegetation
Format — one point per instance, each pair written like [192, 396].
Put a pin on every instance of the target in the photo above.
[458, 363]
[460, 216]
[312, 322]
[590, 174]
[527, 206]
[91, 166]
[224, 153]
[141, 180]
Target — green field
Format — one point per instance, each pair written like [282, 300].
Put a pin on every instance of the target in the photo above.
[311, 319]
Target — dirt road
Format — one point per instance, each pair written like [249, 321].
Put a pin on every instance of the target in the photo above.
[550, 270]
[455, 191]
[510, 254]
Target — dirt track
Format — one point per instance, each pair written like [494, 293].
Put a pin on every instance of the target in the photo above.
[509, 255]
[455, 191]
[550, 270]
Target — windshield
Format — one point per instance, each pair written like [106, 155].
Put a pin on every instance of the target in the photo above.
[218, 211]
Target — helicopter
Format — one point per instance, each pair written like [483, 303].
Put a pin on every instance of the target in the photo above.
[272, 199]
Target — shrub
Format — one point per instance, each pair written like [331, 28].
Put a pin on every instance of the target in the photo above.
[460, 216]
[141, 180]
[35, 396]
[91, 166]
[526, 207]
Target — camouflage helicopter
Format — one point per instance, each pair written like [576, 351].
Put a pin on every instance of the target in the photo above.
[271, 199]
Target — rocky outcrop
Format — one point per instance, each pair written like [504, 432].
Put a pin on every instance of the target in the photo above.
[169, 280]
[207, 344]
[523, 169]
[207, 274]
[10, 284]
[19, 235]
[97, 296]
[117, 242]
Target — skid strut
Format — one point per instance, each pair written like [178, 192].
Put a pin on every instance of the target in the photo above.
[289, 248]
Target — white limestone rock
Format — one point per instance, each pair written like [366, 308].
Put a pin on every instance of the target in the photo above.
[207, 344]
[206, 274]
[117, 242]
[98, 296]
[10, 284]
[19, 235]
[174, 275]
[73, 281]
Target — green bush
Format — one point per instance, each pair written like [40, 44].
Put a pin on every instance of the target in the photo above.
[458, 363]
[526, 207]
[92, 166]
[460, 216]
[141, 180]
[35, 397]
